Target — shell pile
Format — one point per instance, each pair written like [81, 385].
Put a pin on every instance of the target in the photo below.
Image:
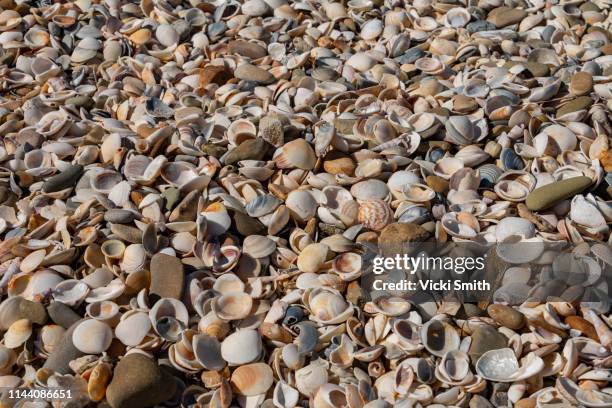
[188, 189]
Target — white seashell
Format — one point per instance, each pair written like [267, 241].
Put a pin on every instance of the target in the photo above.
[242, 347]
[502, 366]
[232, 306]
[18, 333]
[71, 292]
[133, 328]
[92, 336]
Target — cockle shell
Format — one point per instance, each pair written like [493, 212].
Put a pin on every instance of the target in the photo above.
[92, 336]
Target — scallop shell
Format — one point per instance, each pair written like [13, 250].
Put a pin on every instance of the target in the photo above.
[502, 366]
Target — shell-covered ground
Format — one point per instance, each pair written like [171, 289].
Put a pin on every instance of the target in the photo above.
[191, 193]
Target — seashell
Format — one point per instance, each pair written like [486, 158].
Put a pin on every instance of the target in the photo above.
[258, 246]
[326, 306]
[301, 204]
[348, 266]
[457, 17]
[430, 66]
[232, 306]
[447, 166]
[207, 351]
[514, 227]
[585, 213]
[262, 205]
[454, 368]
[18, 333]
[295, 154]
[418, 193]
[439, 337]
[502, 366]
[134, 258]
[242, 347]
[375, 214]
[92, 336]
[133, 328]
[371, 29]
[71, 292]
[113, 249]
[252, 379]
[312, 257]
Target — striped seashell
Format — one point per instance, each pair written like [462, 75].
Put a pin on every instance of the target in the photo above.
[375, 214]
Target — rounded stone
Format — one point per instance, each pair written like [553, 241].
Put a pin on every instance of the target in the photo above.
[33, 311]
[550, 194]
[63, 180]
[505, 16]
[62, 315]
[399, 238]
[139, 382]
[64, 352]
[506, 316]
[526, 403]
[480, 25]
[119, 216]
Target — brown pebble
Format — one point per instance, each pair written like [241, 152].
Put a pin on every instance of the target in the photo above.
[506, 316]
[399, 238]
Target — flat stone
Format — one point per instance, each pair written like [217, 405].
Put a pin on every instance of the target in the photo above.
[581, 83]
[167, 276]
[472, 310]
[506, 316]
[486, 338]
[250, 72]
[64, 352]
[62, 315]
[550, 194]
[33, 311]
[119, 216]
[63, 180]
[400, 238]
[505, 16]
[139, 382]
[246, 49]
[253, 149]
[338, 163]
[580, 103]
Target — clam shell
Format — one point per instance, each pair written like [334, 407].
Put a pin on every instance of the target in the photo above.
[242, 347]
[133, 328]
[439, 337]
[375, 214]
[92, 336]
[18, 333]
[232, 306]
[501, 366]
[252, 379]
